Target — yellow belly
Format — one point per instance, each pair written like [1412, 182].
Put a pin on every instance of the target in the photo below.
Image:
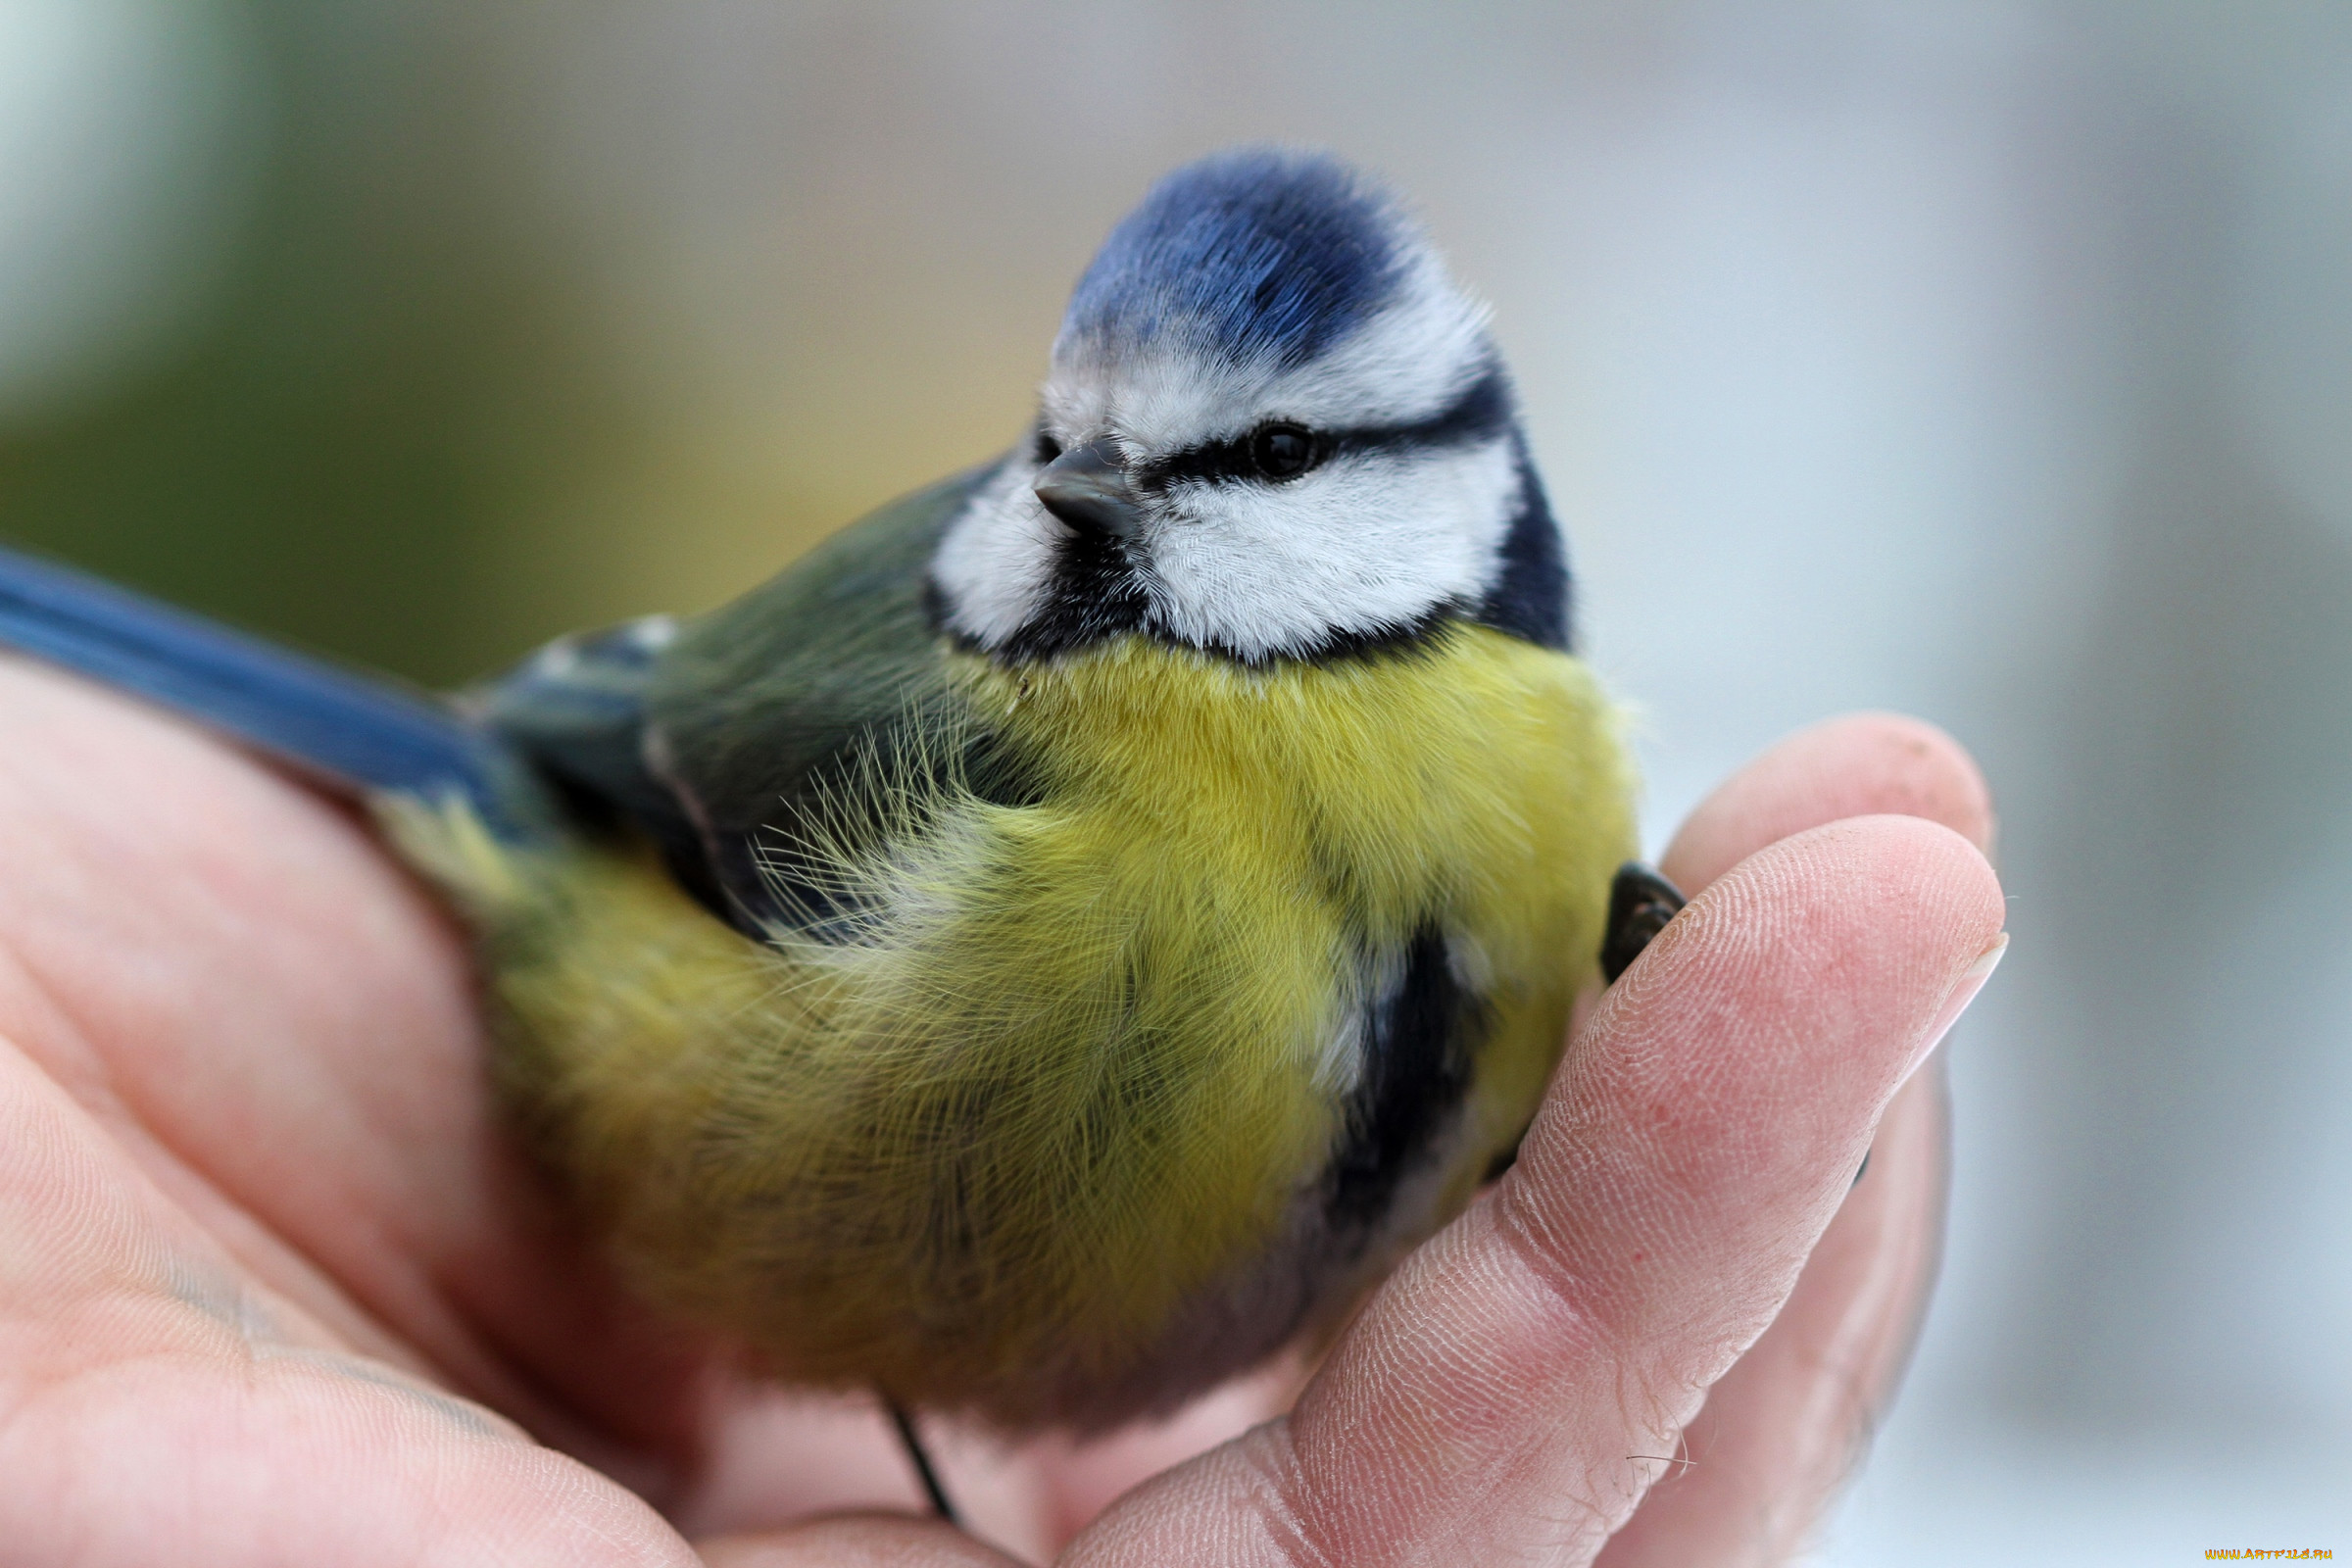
[1085, 1059]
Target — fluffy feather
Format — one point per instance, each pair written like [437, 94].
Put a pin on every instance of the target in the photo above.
[1051, 1138]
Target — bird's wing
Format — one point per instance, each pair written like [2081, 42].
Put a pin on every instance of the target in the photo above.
[719, 737]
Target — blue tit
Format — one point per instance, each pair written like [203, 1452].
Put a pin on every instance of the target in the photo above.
[1060, 942]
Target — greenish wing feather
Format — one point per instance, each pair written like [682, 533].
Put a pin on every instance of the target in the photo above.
[577, 709]
[717, 739]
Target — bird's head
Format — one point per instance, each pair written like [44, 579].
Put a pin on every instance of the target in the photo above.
[1274, 428]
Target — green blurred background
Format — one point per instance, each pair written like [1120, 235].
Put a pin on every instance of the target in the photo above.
[1988, 358]
[372, 390]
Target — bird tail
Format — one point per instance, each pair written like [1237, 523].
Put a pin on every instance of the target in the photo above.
[366, 736]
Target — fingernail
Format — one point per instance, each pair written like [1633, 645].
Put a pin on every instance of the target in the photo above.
[1964, 991]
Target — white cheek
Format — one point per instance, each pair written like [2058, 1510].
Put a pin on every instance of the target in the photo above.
[1363, 545]
[997, 558]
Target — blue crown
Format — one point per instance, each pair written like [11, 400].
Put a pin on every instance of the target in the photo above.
[1257, 254]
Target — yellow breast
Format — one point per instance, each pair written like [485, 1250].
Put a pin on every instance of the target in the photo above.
[1081, 1071]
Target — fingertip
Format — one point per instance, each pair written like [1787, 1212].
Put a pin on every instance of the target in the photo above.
[1880, 857]
[1858, 764]
[1903, 894]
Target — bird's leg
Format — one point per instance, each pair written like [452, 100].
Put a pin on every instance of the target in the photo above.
[921, 1457]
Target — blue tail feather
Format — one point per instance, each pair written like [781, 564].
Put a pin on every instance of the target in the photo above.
[363, 734]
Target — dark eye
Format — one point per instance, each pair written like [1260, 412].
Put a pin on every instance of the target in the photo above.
[1048, 449]
[1283, 451]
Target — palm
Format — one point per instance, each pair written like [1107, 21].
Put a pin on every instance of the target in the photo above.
[268, 1268]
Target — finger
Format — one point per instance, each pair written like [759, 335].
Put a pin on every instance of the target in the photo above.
[1782, 1426]
[1085, 1477]
[1491, 1402]
[1860, 764]
[781, 1456]
[876, 1542]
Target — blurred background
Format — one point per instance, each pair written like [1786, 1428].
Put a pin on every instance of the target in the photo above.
[1989, 360]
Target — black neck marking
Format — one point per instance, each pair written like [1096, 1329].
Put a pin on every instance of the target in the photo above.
[1416, 1069]
[1096, 593]
[1072, 623]
[1533, 598]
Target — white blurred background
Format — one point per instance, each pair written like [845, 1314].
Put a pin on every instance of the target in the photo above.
[1991, 361]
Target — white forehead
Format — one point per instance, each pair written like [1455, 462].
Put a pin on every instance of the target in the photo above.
[1406, 363]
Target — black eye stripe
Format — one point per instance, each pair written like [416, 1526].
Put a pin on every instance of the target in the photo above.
[1216, 462]
[1481, 413]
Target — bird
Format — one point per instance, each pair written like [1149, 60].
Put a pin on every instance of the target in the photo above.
[1060, 943]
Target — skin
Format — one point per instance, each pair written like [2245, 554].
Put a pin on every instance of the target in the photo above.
[273, 1290]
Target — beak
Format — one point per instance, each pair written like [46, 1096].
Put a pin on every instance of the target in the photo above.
[1087, 488]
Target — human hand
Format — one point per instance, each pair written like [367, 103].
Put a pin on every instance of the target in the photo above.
[272, 1287]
